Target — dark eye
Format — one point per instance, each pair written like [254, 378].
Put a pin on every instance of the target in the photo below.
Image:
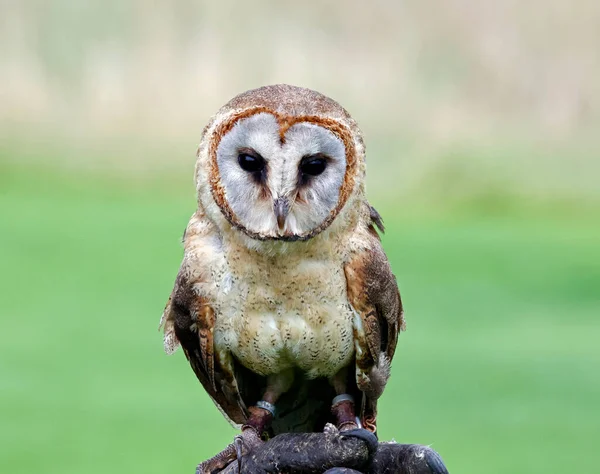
[313, 165]
[251, 162]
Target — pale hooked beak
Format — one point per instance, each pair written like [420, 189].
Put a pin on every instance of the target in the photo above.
[281, 207]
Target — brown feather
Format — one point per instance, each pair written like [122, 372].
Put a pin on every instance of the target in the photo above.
[373, 293]
[376, 219]
[194, 322]
[206, 323]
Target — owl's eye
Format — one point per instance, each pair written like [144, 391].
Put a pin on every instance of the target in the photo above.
[251, 161]
[313, 165]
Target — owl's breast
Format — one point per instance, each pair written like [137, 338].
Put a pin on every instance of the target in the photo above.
[293, 315]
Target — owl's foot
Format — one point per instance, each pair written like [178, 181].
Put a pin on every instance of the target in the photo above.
[242, 444]
[343, 410]
[250, 438]
[218, 462]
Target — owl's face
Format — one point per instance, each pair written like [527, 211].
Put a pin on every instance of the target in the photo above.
[277, 174]
[280, 186]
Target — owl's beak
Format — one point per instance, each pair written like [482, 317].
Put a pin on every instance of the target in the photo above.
[281, 207]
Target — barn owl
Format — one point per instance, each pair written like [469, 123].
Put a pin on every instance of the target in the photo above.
[285, 304]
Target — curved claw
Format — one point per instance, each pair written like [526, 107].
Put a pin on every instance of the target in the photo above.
[435, 463]
[238, 442]
[365, 435]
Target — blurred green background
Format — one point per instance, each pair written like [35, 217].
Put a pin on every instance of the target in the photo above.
[481, 121]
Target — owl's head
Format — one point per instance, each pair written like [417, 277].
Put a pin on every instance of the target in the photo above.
[279, 163]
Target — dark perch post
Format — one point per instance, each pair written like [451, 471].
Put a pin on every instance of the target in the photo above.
[353, 452]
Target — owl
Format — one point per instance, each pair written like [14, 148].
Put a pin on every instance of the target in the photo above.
[285, 304]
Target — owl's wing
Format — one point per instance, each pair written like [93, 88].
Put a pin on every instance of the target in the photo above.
[373, 293]
[189, 319]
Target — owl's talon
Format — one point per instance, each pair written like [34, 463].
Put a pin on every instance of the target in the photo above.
[238, 442]
[242, 444]
[369, 438]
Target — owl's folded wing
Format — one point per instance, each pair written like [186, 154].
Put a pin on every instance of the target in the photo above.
[373, 293]
[189, 321]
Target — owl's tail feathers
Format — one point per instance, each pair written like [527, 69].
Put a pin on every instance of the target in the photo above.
[378, 377]
[167, 323]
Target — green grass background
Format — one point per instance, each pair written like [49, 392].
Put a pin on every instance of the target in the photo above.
[498, 369]
[481, 122]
